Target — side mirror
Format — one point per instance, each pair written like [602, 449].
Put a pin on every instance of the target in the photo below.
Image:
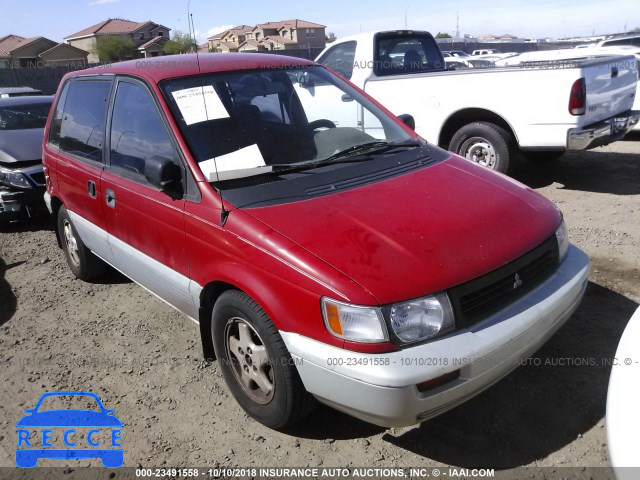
[408, 120]
[304, 79]
[161, 172]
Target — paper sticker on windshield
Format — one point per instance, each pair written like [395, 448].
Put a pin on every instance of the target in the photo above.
[199, 104]
[242, 163]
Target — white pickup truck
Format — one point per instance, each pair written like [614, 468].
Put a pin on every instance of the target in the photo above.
[486, 115]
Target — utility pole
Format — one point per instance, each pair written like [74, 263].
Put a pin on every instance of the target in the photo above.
[457, 25]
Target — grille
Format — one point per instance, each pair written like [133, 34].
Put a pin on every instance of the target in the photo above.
[479, 298]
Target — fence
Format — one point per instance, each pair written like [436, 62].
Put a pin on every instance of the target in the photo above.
[504, 47]
[41, 78]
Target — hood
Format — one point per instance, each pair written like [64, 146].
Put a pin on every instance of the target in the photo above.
[419, 233]
[21, 145]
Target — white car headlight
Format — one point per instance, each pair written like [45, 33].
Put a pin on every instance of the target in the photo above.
[563, 240]
[422, 318]
[353, 322]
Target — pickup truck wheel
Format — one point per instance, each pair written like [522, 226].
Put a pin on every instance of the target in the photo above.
[255, 362]
[485, 144]
[82, 262]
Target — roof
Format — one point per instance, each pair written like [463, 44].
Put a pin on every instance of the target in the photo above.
[155, 68]
[66, 46]
[250, 41]
[8, 43]
[11, 43]
[159, 40]
[111, 26]
[280, 39]
[228, 44]
[295, 23]
[238, 29]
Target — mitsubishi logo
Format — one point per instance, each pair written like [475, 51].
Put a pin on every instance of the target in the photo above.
[517, 281]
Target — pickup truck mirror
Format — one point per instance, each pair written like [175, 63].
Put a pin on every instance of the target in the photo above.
[304, 79]
[408, 120]
[163, 173]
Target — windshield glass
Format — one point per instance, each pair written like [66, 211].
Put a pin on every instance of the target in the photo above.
[23, 117]
[253, 122]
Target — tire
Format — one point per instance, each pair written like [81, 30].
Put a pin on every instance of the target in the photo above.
[255, 362]
[82, 262]
[485, 144]
[543, 156]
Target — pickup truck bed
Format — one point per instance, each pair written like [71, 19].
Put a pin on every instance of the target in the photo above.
[487, 115]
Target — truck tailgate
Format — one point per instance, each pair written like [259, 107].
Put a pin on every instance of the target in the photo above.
[611, 87]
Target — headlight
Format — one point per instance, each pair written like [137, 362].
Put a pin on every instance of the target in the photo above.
[353, 322]
[422, 318]
[14, 179]
[563, 240]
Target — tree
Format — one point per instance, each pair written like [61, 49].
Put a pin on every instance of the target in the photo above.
[636, 30]
[180, 43]
[331, 37]
[111, 48]
[443, 35]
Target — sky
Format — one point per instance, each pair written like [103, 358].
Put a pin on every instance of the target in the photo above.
[56, 19]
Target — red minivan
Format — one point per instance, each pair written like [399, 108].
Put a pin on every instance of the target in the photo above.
[354, 264]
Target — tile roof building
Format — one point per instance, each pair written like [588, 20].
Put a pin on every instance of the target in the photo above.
[148, 37]
[283, 35]
[20, 52]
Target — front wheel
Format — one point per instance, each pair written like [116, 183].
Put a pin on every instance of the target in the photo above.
[484, 143]
[255, 362]
[82, 262]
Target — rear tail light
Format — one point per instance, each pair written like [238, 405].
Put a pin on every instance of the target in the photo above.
[578, 98]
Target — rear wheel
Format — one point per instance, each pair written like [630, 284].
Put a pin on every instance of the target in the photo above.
[484, 143]
[255, 363]
[82, 262]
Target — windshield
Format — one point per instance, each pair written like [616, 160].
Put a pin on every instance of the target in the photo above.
[23, 117]
[250, 123]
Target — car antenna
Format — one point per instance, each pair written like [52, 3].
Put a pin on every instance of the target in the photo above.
[224, 213]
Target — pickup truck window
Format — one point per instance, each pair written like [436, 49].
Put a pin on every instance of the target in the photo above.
[405, 53]
[340, 58]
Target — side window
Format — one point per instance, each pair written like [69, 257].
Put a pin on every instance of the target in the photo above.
[137, 131]
[82, 127]
[340, 58]
[56, 121]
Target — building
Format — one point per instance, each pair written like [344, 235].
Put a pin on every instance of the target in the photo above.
[284, 35]
[20, 52]
[148, 37]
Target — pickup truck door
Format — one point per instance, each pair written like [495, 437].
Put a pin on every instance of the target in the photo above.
[341, 109]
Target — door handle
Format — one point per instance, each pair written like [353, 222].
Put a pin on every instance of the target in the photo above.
[91, 188]
[111, 198]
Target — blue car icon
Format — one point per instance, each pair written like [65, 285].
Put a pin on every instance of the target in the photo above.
[70, 419]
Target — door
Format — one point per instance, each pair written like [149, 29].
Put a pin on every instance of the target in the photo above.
[145, 225]
[76, 141]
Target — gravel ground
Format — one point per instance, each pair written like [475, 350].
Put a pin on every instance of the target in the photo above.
[143, 359]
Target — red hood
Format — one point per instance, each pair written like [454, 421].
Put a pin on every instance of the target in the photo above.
[419, 233]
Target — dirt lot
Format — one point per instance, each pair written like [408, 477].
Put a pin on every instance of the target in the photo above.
[143, 359]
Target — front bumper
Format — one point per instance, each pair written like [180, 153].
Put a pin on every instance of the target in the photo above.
[14, 201]
[381, 388]
[602, 133]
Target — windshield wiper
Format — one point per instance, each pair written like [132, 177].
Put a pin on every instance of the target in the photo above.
[351, 154]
